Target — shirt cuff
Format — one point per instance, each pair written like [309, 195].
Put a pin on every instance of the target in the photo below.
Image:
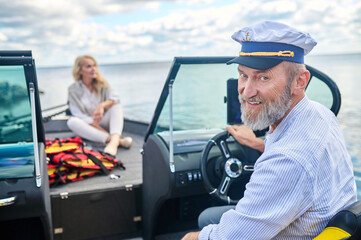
[113, 96]
[206, 232]
[115, 100]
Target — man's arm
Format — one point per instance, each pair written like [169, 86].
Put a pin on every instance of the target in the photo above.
[191, 236]
[279, 193]
[246, 136]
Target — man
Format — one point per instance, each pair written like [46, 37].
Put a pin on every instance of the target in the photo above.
[304, 175]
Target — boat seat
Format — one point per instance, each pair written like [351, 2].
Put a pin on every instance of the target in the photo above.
[346, 224]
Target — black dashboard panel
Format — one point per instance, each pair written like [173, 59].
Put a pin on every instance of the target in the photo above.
[162, 188]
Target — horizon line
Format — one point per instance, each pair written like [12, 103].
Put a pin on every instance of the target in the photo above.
[169, 61]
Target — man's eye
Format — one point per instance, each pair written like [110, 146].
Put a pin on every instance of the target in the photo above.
[263, 78]
[243, 75]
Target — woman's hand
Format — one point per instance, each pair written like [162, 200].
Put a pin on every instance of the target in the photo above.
[246, 136]
[98, 113]
[97, 126]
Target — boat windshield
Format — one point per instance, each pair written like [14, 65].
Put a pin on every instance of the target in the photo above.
[16, 140]
[204, 95]
[199, 92]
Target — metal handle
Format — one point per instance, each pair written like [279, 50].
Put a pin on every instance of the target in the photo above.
[35, 135]
[248, 168]
[7, 201]
[171, 141]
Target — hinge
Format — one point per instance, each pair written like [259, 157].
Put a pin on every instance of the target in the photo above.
[129, 187]
[137, 218]
[58, 230]
[64, 195]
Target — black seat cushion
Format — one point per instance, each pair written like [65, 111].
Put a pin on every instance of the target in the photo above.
[348, 219]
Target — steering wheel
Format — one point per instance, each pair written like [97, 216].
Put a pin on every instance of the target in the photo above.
[233, 169]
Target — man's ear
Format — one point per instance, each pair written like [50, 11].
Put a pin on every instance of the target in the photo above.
[301, 82]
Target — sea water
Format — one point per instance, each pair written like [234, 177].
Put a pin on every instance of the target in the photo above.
[140, 84]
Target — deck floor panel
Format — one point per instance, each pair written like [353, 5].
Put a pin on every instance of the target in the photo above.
[132, 175]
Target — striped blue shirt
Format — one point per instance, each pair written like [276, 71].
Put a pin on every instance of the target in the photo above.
[301, 180]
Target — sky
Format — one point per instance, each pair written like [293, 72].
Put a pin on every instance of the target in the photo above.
[122, 31]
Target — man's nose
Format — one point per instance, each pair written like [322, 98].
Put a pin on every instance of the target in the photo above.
[247, 89]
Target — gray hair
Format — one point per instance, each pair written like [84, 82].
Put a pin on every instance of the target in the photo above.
[292, 69]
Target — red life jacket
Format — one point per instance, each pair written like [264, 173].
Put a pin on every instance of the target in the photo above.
[70, 161]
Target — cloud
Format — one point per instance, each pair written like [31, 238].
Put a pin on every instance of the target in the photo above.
[58, 31]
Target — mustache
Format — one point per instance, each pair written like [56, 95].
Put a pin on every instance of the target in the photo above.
[251, 99]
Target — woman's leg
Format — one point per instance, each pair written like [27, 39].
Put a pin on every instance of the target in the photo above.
[114, 121]
[84, 130]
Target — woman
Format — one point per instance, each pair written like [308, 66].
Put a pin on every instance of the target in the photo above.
[97, 113]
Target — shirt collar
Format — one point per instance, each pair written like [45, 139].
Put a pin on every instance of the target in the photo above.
[299, 107]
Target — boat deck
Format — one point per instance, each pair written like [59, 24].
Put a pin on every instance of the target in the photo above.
[130, 177]
[131, 158]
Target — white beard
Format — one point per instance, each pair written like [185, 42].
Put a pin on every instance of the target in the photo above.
[270, 113]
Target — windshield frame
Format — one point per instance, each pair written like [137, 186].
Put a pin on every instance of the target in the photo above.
[21, 157]
[25, 59]
[178, 61]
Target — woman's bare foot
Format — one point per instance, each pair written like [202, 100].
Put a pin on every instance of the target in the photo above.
[125, 142]
[112, 146]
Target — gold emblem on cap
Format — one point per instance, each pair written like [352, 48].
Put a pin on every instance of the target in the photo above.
[269, 54]
[247, 39]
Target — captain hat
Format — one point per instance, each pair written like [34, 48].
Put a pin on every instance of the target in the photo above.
[266, 44]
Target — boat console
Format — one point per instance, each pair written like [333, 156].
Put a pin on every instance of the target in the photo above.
[189, 162]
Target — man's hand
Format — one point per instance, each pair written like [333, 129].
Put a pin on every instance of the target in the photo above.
[246, 136]
[191, 236]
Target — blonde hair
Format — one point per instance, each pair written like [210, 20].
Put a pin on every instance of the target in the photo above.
[98, 82]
